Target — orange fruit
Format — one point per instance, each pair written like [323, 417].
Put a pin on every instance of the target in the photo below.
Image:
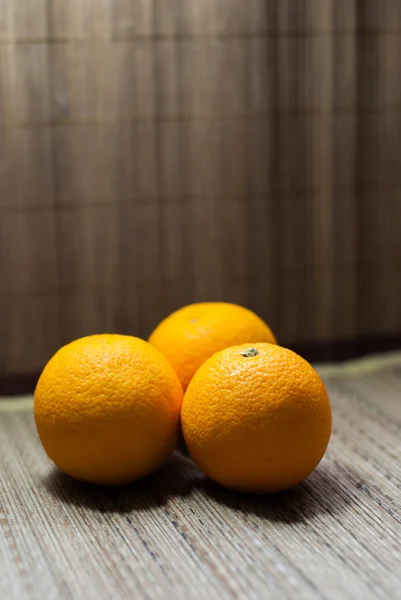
[195, 332]
[107, 408]
[256, 418]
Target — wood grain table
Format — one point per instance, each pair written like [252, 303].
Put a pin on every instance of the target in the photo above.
[177, 535]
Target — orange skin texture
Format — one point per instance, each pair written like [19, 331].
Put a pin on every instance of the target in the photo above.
[192, 334]
[256, 423]
[107, 409]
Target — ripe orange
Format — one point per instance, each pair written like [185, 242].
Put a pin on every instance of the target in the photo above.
[107, 408]
[256, 418]
[194, 333]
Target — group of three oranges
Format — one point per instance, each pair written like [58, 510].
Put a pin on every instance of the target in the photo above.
[254, 416]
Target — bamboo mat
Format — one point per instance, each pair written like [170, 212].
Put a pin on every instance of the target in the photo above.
[161, 152]
[177, 535]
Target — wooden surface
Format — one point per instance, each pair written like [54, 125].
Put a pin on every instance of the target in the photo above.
[178, 535]
[154, 153]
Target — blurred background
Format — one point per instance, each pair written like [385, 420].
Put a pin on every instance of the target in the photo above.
[159, 152]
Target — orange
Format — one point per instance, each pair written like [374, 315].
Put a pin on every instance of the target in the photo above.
[107, 408]
[256, 418]
[194, 333]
